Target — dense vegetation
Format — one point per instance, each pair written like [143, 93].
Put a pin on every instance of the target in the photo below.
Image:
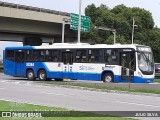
[121, 19]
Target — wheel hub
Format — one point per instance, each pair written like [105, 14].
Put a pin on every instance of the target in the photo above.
[42, 75]
[30, 75]
[108, 79]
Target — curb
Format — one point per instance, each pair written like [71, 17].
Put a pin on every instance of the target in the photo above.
[102, 90]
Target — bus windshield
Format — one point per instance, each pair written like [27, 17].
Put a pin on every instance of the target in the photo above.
[145, 63]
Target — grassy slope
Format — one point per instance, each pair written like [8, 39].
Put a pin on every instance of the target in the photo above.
[7, 106]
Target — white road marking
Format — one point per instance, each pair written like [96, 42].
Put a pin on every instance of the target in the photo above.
[139, 104]
[4, 80]
[53, 94]
[2, 88]
[28, 83]
[16, 82]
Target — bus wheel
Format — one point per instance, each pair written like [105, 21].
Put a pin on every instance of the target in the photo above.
[58, 79]
[48, 79]
[42, 75]
[107, 77]
[30, 75]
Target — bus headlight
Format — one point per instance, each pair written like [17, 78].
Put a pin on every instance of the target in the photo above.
[148, 81]
[139, 74]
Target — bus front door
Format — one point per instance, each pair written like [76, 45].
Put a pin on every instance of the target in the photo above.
[68, 64]
[19, 59]
[128, 66]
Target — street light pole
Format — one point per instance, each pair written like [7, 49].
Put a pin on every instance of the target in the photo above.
[63, 28]
[114, 32]
[108, 29]
[79, 21]
[65, 21]
[133, 29]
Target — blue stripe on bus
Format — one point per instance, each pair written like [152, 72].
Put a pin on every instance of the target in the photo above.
[20, 48]
[135, 80]
[14, 71]
[94, 77]
[143, 80]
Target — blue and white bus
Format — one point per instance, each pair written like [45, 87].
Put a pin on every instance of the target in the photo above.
[81, 61]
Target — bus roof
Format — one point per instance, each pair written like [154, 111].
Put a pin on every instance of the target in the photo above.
[75, 45]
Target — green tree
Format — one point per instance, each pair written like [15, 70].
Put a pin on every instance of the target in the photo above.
[121, 19]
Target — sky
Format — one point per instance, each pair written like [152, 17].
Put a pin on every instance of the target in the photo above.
[72, 6]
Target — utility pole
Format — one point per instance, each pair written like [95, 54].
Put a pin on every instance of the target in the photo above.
[133, 29]
[108, 29]
[114, 32]
[65, 21]
[63, 28]
[79, 21]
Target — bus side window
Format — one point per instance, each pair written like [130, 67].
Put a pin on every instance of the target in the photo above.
[81, 56]
[42, 55]
[10, 55]
[95, 55]
[48, 57]
[90, 57]
[29, 55]
[84, 59]
[19, 56]
[55, 55]
[111, 56]
[36, 55]
[108, 56]
[52, 56]
[114, 56]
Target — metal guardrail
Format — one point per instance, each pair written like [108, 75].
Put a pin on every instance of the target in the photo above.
[112, 86]
[25, 7]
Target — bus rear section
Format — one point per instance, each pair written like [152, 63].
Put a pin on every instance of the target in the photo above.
[14, 62]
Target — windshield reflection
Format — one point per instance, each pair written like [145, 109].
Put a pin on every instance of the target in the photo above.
[145, 62]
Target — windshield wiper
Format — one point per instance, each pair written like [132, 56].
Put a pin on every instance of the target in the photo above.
[147, 59]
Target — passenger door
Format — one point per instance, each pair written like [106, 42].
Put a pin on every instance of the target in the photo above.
[67, 58]
[128, 66]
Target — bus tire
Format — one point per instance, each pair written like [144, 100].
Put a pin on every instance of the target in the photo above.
[30, 75]
[107, 78]
[58, 79]
[42, 75]
[48, 79]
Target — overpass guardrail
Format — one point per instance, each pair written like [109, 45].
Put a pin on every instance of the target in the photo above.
[25, 7]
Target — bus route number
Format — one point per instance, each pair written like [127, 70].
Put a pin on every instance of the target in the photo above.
[29, 64]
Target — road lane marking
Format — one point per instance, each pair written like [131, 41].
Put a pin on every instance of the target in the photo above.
[58, 94]
[16, 82]
[4, 81]
[2, 88]
[139, 104]
[28, 83]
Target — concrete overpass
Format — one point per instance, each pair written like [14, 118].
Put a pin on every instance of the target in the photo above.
[19, 21]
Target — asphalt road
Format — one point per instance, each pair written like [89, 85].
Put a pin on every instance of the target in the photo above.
[84, 100]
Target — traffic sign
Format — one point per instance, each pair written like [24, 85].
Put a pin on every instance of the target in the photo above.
[83, 18]
[85, 22]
